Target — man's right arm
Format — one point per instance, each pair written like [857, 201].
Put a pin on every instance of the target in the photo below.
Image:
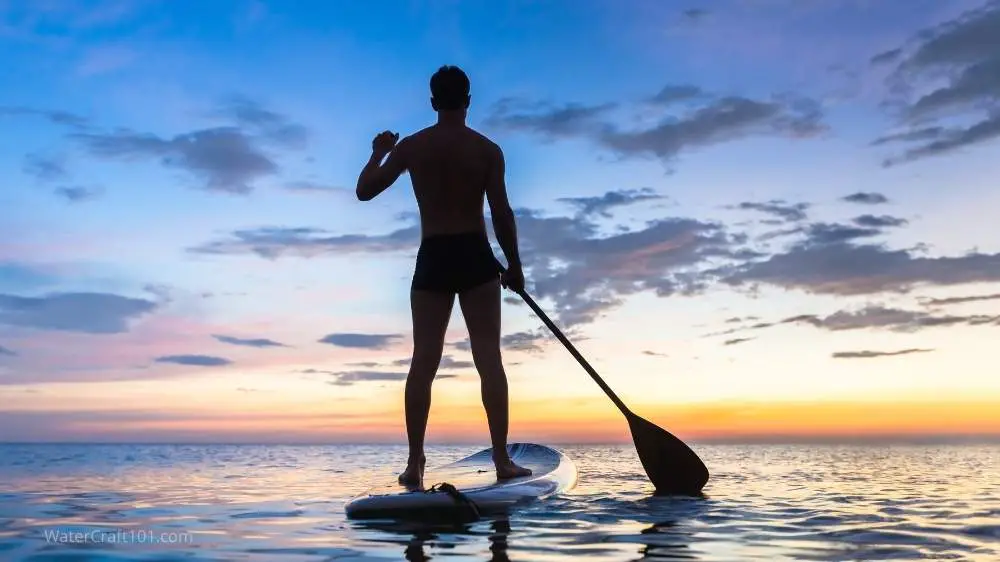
[500, 210]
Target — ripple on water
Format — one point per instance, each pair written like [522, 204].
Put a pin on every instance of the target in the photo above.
[286, 503]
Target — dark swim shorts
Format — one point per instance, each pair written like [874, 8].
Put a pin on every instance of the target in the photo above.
[454, 263]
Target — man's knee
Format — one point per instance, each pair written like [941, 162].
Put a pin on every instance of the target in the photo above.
[425, 360]
[488, 361]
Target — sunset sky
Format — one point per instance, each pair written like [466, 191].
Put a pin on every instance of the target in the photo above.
[766, 219]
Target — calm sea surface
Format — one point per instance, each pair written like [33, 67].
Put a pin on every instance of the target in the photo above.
[284, 503]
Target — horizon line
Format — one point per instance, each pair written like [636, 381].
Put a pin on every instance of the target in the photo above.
[984, 439]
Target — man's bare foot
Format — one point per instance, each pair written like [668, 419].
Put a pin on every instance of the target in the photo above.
[414, 474]
[507, 469]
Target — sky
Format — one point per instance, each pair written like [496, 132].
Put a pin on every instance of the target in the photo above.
[759, 220]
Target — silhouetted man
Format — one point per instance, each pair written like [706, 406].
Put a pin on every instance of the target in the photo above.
[452, 167]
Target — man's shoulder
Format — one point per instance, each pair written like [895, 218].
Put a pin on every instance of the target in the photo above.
[486, 141]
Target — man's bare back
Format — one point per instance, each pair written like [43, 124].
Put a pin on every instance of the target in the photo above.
[450, 169]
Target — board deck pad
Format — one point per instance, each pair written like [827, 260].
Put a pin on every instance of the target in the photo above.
[475, 477]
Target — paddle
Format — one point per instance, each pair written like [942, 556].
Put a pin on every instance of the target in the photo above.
[671, 465]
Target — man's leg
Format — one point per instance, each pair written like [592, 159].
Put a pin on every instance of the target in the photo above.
[481, 309]
[431, 312]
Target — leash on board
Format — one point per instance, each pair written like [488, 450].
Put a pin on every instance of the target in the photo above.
[460, 499]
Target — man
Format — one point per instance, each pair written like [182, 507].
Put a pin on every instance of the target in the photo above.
[452, 167]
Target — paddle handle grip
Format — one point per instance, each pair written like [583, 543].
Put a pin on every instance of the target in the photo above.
[572, 349]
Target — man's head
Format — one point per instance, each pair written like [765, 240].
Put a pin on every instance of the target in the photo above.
[449, 89]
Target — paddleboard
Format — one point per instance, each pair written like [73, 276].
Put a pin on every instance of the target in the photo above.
[474, 479]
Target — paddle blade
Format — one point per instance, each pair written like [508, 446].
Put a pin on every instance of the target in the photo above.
[672, 466]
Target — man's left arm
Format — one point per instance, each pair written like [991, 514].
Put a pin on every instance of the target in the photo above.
[376, 176]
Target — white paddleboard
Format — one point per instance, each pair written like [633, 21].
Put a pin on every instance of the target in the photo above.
[475, 478]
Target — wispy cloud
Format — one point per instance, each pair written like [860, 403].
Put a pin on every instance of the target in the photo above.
[55, 117]
[253, 116]
[194, 360]
[77, 193]
[872, 316]
[879, 221]
[873, 354]
[961, 300]
[716, 120]
[95, 313]
[866, 198]
[227, 158]
[965, 53]
[45, 168]
[7, 352]
[789, 212]
[248, 342]
[364, 341]
[274, 242]
[602, 205]
[306, 186]
[348, 378]
[829, 263]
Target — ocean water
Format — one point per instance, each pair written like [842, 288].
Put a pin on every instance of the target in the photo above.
[286, 503]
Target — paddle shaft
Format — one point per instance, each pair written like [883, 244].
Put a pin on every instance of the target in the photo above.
[569, 346]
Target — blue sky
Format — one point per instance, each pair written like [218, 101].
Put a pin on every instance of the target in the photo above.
[715, 198]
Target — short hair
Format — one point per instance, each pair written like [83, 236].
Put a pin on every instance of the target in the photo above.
[450, 88]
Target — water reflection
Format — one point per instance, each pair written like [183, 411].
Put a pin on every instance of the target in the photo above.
[417, 537]
[665, 529]
[667, 540]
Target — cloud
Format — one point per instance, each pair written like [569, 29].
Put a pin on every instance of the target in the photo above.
[447, 362]
[961, 300]
[790, 212]
[225, 158]
[44, 168]
[305, 242]
[873, 316]
[876, 316]
[585, 274]
[252, 116]
[950, 140]
[194, 360]
[546, 119]
[695, 14]
[77, 193]
[965, 54]
[718, 119]
[828, 263]
[248, 342]
[603, 204]
[7, 352]
[654, 353]
[925, 134]
[366, 341]
[881, 221]
[886, 57]
[93, 313]
[674, 93]
[348, 378]
[832, 233]
[527, 341]
[736, 341]
[873, 354]
[52, 116]
[306, 186]
[866, 198]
